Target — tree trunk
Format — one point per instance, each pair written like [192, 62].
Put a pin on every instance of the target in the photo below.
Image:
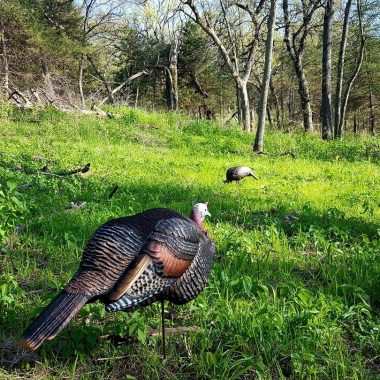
[340, 68]
[239, 104]
[137, 96]
[371, 110]
[80, 81]
[327, 128]
[49, 89]
[296, 44]
[5, 61]
[276, 104]
[259, 138]
[355, 125]
[354, 74]
[303, 90]
[269, 116]
[245, 111]
[172, 77]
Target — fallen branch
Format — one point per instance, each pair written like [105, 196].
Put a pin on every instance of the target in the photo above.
[85, 169]
[116, 89]
[47, 171]
[16, 95]
[231, 117]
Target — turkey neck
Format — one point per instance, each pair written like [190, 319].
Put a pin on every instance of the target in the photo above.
[195, 216]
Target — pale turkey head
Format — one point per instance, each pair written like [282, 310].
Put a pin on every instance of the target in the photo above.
[199, 213]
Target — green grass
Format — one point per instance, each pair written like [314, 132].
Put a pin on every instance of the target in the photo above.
[295, 286]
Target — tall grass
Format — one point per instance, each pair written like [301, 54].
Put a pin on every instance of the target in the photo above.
[294, 291]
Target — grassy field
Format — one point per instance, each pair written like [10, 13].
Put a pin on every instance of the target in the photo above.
[295, 287]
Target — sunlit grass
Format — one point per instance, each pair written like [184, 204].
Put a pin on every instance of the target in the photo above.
[295, 288]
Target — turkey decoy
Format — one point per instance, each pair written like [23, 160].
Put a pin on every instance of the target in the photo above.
[130, 262]
[239, 172]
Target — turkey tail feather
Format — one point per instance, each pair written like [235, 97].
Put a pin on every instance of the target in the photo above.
[53, 319]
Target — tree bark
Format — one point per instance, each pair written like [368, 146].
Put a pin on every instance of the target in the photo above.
[340, 68]
[325, 115]
[354, 74]
[5, 60]
[245, 111]
[49, 89]
[276, 104]
[303, 90]
[137, 96]
[259, 138]
[172, 77]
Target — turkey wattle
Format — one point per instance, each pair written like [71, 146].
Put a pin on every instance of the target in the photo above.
[131, 262]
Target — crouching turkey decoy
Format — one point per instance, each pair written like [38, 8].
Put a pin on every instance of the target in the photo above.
[239, 172]
[130, 262]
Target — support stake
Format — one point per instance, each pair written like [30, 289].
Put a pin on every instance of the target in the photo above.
[163, 327]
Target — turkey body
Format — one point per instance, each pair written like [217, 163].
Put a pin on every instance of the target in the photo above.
[131, 262]
[239, 172]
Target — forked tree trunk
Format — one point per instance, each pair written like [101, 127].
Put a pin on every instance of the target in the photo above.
[325, 115]
[259, 138]
[231, 57]
[340, 68]
[296, 44]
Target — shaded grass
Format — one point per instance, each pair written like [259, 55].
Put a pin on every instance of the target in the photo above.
[294, 290]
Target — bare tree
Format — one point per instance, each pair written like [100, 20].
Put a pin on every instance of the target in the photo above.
[359, 61]
[99, 28]
[295, 39]
[259, 139]
[340, 68]
[229, 49]
[326, 118]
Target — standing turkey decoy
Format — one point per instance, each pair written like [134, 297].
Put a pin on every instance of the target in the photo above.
[239, 172]
[130, 262]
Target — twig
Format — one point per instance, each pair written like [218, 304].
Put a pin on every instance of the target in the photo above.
[115, 357]
[112, 193]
